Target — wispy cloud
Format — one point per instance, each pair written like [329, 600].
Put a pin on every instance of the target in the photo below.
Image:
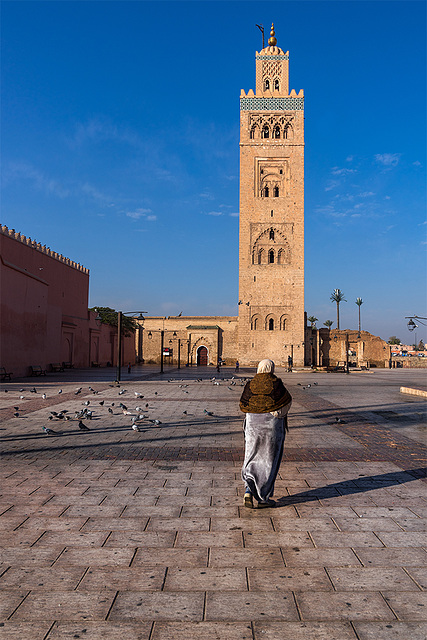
[332, 184]
[137, 214]
[215, 213]
[17, 171]
[101, 130]
[388, 159]
[337, 171]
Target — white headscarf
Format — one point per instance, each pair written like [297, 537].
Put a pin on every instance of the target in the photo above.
[266, 366]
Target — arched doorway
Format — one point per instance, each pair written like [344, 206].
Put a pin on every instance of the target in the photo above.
[202, 357]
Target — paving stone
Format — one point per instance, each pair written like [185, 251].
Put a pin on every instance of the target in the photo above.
[346, 539]
[310, 511]
[115, 524]
[54, 524]
[338, 557]
[157, 606]
[278, 539]
[391, 630]
[72, 539]
[393, 557]
[348, 605]
[83, 556]
[367, 524]
[9, 523]
[303, 631]
[289, 579]
[245, 558]
[32, 556]
[250, 606]
[9, 601]
[304, 524]
[171, 557]
[100, 631]
[241, 524]
[408, 607]
[419, 574]
[371, 579]
[141, 539]
[155, 511]
[122, 579]
[24, 630]
[209, 539]
[178, 524]
[202, 631]
[208, 579]
[412, 524]
[403, 539]
[41, 578]
[68, 605]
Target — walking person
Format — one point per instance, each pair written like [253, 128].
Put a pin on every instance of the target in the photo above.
[237, 367]
[266, 402]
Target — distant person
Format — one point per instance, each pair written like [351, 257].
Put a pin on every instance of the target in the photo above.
[218, 366]
[266, 402]
[129, 368]
[290, 364]
[237, 367]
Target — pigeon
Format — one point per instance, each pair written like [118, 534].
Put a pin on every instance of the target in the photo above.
[141, 416]
[102, 403]
[208, 413]
[146, 406]
[155, 393]
[49, 432]
[122, 392]
[308, 386]
[138, 395]
[122, 406]
[89, 415]
[90, 389]
[16, 414]
[135, 427]
[33, 390]
[315, 384]
[21, 397]
[79, 390]
[184, 413]
[82, 426]
[60, 391]
[112, 404]
[16, 408]
[6, 390]
[44, 396]
[339, 420]
[110, 410]
[126, 413]
[21, 390]
[87, 403]
[155, 421]
[138, 409]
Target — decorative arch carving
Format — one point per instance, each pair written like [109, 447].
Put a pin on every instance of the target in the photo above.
[282, 122]
[282, 323]
[270, 322]
[271, 241]
[255, 322]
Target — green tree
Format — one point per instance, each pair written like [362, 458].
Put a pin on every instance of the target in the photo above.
[313, 321]
[338, 296]
[109, 316]
[359, 303]
[328, 323]
[394, 340]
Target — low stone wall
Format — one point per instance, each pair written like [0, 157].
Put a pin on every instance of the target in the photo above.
[409, 362]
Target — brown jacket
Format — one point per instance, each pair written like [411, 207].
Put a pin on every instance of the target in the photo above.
[264, 393]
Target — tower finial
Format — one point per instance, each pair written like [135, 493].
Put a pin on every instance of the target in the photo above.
[272, 40]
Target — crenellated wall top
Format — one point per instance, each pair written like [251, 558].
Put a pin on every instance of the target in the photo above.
[11, 233]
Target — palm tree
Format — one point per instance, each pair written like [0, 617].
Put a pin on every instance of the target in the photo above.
[328, 323]
[359, 303]
[338, 296]
[313, 321]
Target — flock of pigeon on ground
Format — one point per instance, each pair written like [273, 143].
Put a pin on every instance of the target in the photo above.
[137, 416]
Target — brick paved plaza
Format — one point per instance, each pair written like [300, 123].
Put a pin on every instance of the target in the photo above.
[113, 533]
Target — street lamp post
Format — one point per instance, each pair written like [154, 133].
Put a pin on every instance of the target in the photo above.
[120, 315]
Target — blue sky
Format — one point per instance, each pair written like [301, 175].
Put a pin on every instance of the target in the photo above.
[120, 148]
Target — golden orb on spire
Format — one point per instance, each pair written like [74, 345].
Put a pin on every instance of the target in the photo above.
[272, 41]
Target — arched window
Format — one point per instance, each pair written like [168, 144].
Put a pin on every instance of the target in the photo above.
[285, 133]
[252, 133]
[271, 257]
[276, 192]
[283, 324]
[277, 132]
[280, 256]
[266, 84]
[266, 132]
[254, 324]
[266, 192]
[260, 256]
[271, 234]
[271, 324]
[276, 85]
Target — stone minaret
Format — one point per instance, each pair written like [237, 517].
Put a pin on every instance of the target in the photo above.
[271, 244]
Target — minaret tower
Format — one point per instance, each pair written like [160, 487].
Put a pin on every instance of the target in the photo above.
[271, 244]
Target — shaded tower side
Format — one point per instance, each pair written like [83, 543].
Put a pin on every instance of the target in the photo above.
[271, 241]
